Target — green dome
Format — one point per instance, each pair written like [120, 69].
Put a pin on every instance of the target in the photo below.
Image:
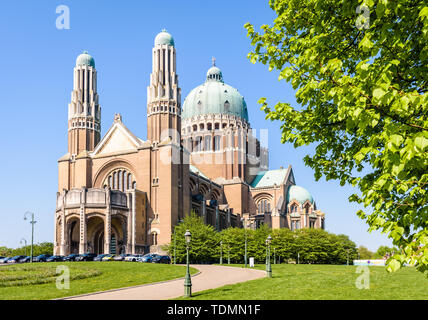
[85, 60]
[164, 38]
[300, 194]
[214, 97]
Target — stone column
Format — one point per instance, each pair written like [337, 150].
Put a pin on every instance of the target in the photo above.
[82, 223]
[217, 218]
[83, 235]
[107, 225]
[134, 217]
[204, 210]
[129, 225]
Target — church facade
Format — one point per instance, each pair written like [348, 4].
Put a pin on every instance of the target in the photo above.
[121, 194]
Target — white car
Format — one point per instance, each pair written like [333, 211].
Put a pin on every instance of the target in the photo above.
[133, 257]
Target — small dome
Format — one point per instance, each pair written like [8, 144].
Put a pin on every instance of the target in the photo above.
[85, 60]
[164, 38]
[300, 194]
[214, 97]
[214, 73]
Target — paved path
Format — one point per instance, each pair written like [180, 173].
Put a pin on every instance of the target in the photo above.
[209, 277]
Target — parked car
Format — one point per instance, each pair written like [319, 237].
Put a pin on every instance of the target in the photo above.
[86, 257]
[15, 259]
[25, 259]
[161, 259]
[133, 257]
[108, 257]
[4, 259]
[41, 258]
[99, 257]
[71, 257]
[121, 257]
[55, 259]
[147, 257]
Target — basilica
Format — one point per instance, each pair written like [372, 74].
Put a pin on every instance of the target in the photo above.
[118, 193]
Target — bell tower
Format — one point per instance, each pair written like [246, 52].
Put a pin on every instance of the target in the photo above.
[84, 112]
[163, 94]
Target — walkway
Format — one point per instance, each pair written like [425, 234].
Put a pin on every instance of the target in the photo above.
[209, 277]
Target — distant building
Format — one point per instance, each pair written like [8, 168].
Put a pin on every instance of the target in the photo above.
[120, 193]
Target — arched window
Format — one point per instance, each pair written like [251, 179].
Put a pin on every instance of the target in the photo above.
[226, 105]
[129, 181]
[307, 208]
[120, 178]
[154, 238]
[207, 143]
[198, 145]
[115, 180]
[217, 143]
[190, 144]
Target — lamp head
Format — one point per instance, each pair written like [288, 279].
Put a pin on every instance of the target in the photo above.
[188, 236]
[269, 239]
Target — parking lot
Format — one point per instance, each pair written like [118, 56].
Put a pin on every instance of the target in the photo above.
[146, 258]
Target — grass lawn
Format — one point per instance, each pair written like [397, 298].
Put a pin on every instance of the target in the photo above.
[327, 282]
[37, 281]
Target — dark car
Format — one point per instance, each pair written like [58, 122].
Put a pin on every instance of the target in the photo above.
[41, 258]
[121, 257]
[71, 257]
[148, 257]
[55, 259]
[25, 259]
[4, 259]
[86, 257]
[161, 259]
[15, 259]
[99, 257]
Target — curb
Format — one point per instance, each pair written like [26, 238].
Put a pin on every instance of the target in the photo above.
[124, 288]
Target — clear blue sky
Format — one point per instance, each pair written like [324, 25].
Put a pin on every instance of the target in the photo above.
[36, 69]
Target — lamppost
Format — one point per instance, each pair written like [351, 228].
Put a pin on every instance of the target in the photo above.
[187, 279]
[221, 251]
[228, 253]
[274, 255]
[268, 266]
[298, 257]
[25, 244]
[246, 225]
[32, 231]
[347, 257]
[174, 245]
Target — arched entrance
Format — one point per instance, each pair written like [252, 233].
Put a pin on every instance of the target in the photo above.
[73, 234]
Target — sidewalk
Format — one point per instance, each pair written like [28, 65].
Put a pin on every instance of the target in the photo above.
[209, 277]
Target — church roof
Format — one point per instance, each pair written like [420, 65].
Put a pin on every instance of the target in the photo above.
[269, 178]
[164, 38]
[197, 171]
[85, 60]
[299, 194]
[214, 97]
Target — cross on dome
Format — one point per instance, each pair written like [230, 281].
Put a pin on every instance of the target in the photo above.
[213, 60]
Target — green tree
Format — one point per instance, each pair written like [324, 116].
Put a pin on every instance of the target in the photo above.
[361, 81]
[365, 253]
[204, 246]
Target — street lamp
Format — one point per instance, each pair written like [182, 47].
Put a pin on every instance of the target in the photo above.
[221, 251]
[274, 255]
[247, 225]
[32, 231]
[25, 244]
[347, 257]
[187, 280]
[228, 253]
[268, 266]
